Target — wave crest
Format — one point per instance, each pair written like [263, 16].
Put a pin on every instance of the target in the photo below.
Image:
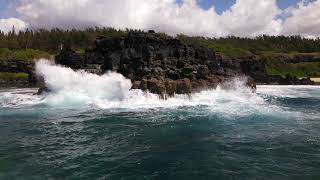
[68, 85]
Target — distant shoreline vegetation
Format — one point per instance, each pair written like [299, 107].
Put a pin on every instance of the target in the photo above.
[34, 44]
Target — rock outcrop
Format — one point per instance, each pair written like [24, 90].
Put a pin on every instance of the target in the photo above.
[18, 66]
[165, 65]
[256, 68]
[69, 58]
[161, 65]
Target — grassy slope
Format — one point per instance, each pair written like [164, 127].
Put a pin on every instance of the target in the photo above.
[307, 69]
[229, 50]
[273, 68]
[303, 69]
[12, 76]
[223, 48]
[23, 54]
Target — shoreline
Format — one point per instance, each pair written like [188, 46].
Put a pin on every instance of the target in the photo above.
[261, 84]
[316, 80]
[3, 89]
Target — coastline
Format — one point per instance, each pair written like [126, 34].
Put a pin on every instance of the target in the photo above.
[316, 80]
[36, 88]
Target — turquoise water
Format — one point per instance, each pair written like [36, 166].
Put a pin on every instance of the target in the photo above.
[215, 134]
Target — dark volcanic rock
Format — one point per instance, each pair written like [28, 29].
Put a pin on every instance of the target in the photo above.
[255, 68]
[42, 90]
[162, 65]
[165, 65]
[69, 58]
[18, 66]
[292, 80]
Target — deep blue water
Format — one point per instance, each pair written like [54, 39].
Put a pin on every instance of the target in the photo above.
[274, 134]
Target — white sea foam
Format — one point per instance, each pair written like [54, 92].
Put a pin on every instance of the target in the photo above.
[291, 91]
[18, 97]
[112, 91]
[70, 87]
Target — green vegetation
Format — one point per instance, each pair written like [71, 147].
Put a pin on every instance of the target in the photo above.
[223, 48]
[23, 54]
[306, 69]
[277, 66]
[51, 40]
[12, 76]
[80, 51]
[228, 50]
[271, 48]
[33, 44]
[236, 46]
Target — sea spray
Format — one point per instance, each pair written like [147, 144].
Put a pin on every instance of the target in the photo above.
[71, 86]
[111, 91]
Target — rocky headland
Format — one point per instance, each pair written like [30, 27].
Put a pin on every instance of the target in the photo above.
[165, 65]
[160, 64]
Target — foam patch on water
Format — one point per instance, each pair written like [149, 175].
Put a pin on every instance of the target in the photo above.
[78, 89]
[291, 91]
[18, 97]
[112, 90]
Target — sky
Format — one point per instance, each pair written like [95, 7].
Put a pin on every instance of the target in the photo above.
[212, 18]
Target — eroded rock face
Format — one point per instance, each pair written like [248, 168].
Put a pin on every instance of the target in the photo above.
[69, 58]
[255, 68]
[18, 66]
[161, 65]
[164, 65]
[292, 80]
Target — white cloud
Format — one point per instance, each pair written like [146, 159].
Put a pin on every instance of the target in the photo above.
[252, 17]
[303, 20]
[6, 25]
[162, 15]
[244, 18]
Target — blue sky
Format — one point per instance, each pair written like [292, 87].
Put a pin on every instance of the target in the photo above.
[248, 18]
[222, 5]
[6, 9]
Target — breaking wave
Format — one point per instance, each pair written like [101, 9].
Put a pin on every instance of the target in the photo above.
[79, 87]
[75, 89]
[112, 90]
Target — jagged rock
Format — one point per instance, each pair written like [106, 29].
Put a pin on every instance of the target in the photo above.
[184, 86]
[18, 66]
[153, 85]
[69, 58]
[136, 85]
[203, 72]
[165, 65]
[42, 90]
[292, 80]
[255, 68]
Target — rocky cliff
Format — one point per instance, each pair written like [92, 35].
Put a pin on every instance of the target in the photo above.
[165, 65]
[17, 73]
[256, 68]
[160, 64]
[157, 63]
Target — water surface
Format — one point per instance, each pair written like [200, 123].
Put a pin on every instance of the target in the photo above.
[215, 134]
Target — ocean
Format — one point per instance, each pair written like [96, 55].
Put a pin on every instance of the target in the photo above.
[94, 127]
